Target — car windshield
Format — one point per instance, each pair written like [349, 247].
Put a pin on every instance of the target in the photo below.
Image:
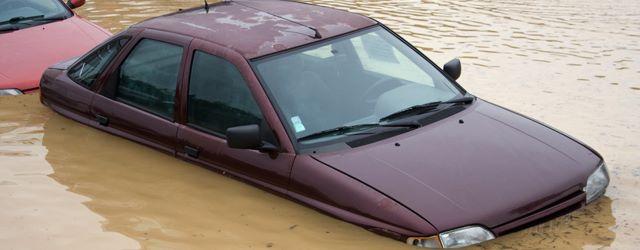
[352, 80]
[28, 12]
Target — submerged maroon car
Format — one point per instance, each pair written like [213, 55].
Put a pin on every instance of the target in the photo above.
[333, 110]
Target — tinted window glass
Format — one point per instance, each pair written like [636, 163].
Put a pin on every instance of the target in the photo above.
[149, 75]
[218, 96]
[352, 80]
[87, 71]
[376, 55]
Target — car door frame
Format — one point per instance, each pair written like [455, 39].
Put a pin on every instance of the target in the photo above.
[278, 179]
[164, 139]
[132, 34]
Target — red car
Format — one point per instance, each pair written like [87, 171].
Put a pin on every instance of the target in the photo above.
[37, 33]
[333, 110]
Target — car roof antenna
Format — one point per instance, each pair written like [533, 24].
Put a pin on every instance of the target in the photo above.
[316, 34]
[206, 6]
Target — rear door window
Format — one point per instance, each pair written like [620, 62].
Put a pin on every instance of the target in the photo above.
[89, 69]
[219, 98]
[149, 75]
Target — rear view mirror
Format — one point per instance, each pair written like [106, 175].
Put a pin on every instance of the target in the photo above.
[248, 137]
[453, 68]
[75, 3]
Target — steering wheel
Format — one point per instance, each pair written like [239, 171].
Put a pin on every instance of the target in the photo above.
[371, 94]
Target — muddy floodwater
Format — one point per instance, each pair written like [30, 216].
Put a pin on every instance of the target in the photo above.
[572, 64]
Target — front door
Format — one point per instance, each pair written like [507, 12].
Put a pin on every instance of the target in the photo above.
[217, 97]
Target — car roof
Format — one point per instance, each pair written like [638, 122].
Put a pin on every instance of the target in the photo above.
[258, 28]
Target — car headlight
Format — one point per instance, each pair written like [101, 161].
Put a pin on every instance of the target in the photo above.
[456, 238]
[465, 236]
[597, 183]
[10, 92]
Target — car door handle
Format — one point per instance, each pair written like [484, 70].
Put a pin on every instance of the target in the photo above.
[102, 120]
[191, 151]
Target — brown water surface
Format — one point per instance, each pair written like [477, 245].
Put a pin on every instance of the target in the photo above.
[573, 64]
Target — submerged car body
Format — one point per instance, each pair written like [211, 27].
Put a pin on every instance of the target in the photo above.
[50, 32]
[333, 110]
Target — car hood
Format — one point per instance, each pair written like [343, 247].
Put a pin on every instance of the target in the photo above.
[26, 53]
[493, 167]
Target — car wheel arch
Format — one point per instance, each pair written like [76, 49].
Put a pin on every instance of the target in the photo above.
[340, 195]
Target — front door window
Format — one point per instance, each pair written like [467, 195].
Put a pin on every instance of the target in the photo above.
[218, 96]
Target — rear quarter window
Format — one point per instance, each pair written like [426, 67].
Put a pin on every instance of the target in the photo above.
[90, 68]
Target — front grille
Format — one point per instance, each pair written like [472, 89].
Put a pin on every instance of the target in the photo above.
[554, 210]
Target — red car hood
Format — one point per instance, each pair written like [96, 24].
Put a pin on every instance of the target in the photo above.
[26, 53]
[495, 167]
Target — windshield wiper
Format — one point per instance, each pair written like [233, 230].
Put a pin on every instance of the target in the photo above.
[427, 107]
[21, 18]
[52, 18]
[9, 28]
[346, 129]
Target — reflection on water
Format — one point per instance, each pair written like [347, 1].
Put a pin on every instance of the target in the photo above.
[573, 64]
[36, 211]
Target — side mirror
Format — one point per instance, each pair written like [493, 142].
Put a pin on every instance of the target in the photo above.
[248, 137]
[75, 3]
[453, 68]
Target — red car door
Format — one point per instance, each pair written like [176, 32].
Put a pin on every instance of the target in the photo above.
[216, 95]
[138, 98]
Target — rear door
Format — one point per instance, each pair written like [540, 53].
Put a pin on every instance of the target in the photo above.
[138, 99]
[71, 93]
[217, 96]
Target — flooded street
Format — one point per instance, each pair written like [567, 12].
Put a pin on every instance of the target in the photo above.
[573, 64]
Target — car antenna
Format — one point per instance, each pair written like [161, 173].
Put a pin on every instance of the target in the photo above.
[316, 34]
[206, 6]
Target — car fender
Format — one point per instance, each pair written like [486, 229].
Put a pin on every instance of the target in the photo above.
[346, 198]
